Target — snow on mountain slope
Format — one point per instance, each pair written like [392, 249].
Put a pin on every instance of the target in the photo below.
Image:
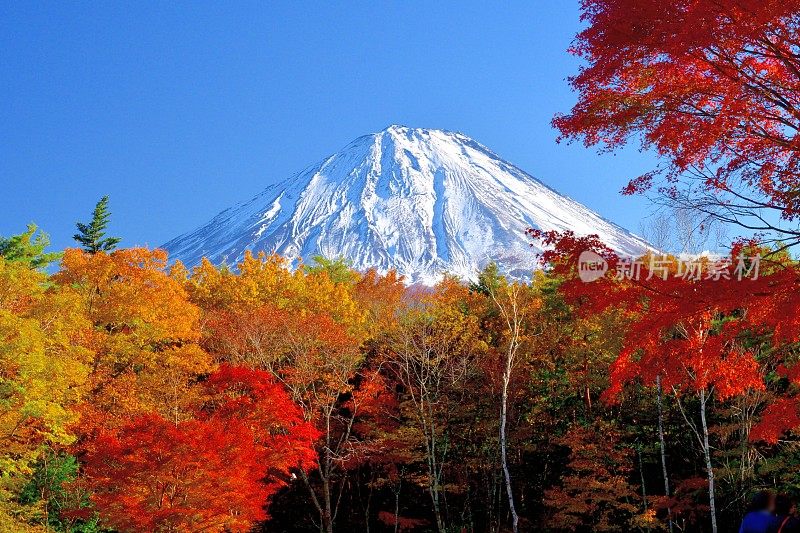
[421, 201]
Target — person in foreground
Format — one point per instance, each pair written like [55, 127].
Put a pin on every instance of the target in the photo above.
[785, 521]
[759, 517]
[770, 514]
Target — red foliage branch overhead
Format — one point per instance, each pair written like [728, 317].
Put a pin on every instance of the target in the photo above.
[713, 86]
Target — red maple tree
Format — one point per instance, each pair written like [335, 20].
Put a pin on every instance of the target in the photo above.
[215, 471]
[713, 86]
[690, 333]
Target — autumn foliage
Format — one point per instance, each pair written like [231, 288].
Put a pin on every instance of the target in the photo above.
[712, 87]
[214, 471]
[138, 395]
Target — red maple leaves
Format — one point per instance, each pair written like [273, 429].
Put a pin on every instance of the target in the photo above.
[215, 471]
[693, 334]
[711, 86]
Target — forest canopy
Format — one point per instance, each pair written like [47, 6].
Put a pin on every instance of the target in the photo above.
[143, 396]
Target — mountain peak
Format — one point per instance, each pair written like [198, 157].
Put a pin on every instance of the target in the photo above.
[397, 131]
[420, 201]
[401, 131]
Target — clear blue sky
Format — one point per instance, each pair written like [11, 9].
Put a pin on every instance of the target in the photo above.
[178, 110]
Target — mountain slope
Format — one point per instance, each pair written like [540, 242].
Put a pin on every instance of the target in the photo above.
[423, 202]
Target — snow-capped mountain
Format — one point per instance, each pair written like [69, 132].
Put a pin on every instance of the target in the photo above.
[421, 201]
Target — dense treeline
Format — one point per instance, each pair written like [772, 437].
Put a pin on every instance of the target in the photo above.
[138, 396]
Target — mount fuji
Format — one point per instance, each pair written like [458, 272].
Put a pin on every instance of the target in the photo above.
[421, 201]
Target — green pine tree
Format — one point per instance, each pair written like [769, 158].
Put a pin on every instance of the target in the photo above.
[28, 248]
[52, 489]
[92, 235]
[489, 280]
[339, 270]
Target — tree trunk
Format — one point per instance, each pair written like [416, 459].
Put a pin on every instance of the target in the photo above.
[434, 477]
[707, 453]
[641, 475]
[327, 515]
[503, 453]
[369, 504]
[396, 511]
[663, 447]
[513, 318]
[314, 500]
[437, 509]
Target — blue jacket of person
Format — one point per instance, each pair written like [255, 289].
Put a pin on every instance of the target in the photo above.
[757, 522]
